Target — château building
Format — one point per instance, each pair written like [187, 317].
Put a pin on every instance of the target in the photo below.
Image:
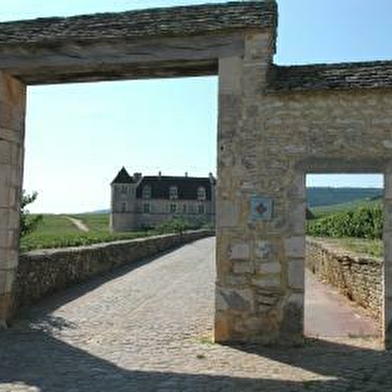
[139, 202]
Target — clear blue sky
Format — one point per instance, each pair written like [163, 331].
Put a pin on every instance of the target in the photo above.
[79, 135]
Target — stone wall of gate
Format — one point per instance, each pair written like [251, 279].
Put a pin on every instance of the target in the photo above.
[268, 140]
[12, 112]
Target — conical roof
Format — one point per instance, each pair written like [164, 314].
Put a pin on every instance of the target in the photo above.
[123, 177]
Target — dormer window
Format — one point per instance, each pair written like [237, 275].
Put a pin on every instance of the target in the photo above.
[173, 192]
[146, 192]
[201, 193]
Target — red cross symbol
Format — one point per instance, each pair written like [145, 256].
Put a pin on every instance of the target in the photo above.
[260, 209]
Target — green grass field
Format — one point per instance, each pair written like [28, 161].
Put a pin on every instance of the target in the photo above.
[373, 247]
[56, 231]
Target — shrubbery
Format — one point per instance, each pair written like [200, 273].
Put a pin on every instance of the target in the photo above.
[364, 222]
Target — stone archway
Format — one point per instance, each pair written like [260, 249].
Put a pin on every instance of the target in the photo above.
[274, 123]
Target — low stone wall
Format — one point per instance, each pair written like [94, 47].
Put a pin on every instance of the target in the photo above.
[358, 277]
[45, 271]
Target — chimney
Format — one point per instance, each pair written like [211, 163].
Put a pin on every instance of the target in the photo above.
[160, 174]
[186, 174]
[137, 177]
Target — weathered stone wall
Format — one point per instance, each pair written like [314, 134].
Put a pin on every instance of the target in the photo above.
[358, 277]
[45, 271]
[12, 112]
[268, 142]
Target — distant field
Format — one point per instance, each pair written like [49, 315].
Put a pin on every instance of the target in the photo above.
[56, 231]
[343, 207]
[325, 196]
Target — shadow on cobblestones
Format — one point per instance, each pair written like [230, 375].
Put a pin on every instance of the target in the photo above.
[36, 361]
[143, 332]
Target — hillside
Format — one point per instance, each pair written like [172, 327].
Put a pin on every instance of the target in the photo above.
[317, 197]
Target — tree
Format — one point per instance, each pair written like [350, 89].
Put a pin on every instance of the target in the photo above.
[28, 223]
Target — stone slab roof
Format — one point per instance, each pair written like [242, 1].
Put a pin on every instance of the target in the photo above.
[343, 76]
[174, 21]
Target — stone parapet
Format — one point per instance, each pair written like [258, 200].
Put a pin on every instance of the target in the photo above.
[43, 272]
[358, 277]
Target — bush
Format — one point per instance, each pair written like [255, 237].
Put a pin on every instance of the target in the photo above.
[176, 225]
[364, 222]
[28, 223]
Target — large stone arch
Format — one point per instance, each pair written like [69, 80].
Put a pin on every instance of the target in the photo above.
[275, 125]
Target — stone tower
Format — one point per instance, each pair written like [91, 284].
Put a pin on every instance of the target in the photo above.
[123, 201]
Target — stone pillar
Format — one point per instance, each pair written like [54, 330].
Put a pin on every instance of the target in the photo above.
[12, 117]
[260, 260]
[388, 260]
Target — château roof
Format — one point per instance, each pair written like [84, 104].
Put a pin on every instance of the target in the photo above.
[187, 186]
[123, 177]
[341, 76]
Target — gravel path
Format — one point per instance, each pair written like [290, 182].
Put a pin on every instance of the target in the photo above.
[147, 328]
[78, 224]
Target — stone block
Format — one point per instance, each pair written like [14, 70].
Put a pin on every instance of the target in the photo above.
[230, 75]
[270, 268]
[243, 267]
[388, 322]
[10, 135]
[5, 152]
[295, 247]
[388, 186]
[234, 299]
[264, 250]
[6, 308]
[7, 278]
[257, 47]
[239, 252]
[387, 236]
[296, 273]
[222, 330]
[267, 281]
[297, 215]
[13, 219]
[4, 198]
[291, 328]
[227, 214]
[388, 277]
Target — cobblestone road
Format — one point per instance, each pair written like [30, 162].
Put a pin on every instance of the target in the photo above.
[148, 327]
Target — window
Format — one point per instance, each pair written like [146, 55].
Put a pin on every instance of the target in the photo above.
[201, 193]
[124, 189]
[173, 192]
[123, 207]
[201, 209]
[184, 209]
[173, 208]
[146, 192]
[146, 208]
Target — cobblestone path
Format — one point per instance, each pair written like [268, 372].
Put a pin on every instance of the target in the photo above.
[147, 328]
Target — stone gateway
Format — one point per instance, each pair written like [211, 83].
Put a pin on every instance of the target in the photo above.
[276, 124]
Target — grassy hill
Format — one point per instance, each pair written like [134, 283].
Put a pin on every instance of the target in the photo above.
[317, 197]
[343, 207]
